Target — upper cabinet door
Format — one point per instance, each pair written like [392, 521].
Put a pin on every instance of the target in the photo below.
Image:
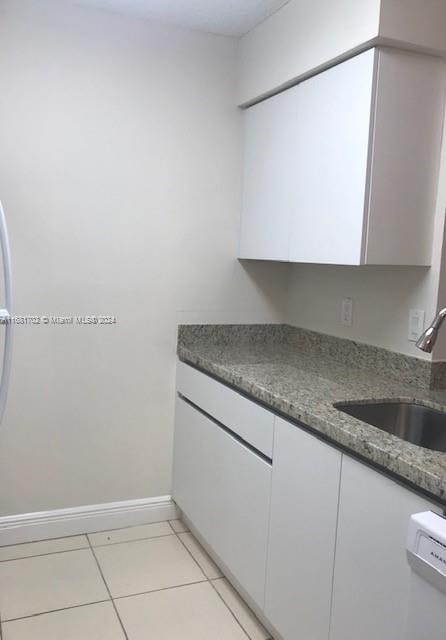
[269, 175]
[331, 159]
[343, 168]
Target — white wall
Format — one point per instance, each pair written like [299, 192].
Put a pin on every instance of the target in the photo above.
[120, 174]
[301, 37]
[382, 296]
[419, 22]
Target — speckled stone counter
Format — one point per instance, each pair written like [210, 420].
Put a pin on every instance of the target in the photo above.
[302, 374]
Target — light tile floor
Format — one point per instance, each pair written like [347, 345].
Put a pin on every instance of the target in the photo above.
[150, 581]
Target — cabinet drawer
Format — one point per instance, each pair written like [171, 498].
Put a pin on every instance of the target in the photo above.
[247, 419]
[223, 488]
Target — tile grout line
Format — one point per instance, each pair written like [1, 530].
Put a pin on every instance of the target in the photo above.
[174, 586]
[44, 613]
[209, 580]
[87, 546]
[23, 544]
[43, 555]
[88, 604]
[132, 526]
[229, 609]
[111, 544]
[191, 555]
[108, 590]
[79, 535]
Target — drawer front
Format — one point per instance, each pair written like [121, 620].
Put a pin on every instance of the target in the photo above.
[247, 419]
[224, 490]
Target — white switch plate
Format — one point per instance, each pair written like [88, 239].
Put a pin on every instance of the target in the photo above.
[416, 324]
[347, 312]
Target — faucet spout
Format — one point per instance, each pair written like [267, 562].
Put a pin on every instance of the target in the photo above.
[427, 339]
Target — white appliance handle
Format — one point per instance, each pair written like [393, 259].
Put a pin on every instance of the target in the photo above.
[5, 314]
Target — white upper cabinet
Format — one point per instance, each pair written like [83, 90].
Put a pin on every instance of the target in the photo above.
[330, 168]
[343, 168]
[270, 156]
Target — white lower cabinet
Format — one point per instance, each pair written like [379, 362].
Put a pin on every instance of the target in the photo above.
[304, 504]
[371, 578]
[316, 539]
[223, 487]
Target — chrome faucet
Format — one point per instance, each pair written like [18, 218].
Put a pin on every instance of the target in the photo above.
[429, 337]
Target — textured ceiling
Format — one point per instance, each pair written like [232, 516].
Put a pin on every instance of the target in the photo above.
[228, 17]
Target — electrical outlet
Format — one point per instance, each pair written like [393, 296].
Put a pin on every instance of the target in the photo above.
[347, 312]
[416, 324]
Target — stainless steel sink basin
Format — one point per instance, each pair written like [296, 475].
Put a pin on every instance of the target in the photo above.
[412, 422]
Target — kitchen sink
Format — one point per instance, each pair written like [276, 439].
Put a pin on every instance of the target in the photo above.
[412, 422]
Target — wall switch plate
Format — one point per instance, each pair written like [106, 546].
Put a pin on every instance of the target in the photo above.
[416, 324]
[347, 312]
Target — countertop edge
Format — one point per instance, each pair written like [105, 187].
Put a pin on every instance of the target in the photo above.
[430, 485]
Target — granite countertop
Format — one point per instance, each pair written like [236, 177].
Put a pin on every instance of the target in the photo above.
[302, 374]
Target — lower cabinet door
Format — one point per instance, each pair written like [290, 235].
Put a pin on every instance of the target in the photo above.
[223, 487]
[371, 580]
[304, 502]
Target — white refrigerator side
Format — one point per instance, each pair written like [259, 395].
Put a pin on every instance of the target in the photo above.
[5, 313]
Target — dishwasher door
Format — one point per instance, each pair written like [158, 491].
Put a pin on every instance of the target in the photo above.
[426, 553]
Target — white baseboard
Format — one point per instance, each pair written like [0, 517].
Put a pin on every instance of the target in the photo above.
[42, 525]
